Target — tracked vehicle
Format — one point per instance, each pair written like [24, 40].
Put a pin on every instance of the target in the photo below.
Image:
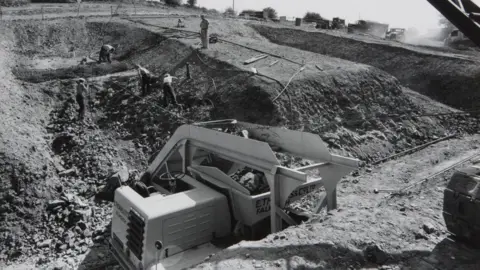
[461, 205]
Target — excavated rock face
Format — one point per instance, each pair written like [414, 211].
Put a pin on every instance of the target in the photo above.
[461, 205]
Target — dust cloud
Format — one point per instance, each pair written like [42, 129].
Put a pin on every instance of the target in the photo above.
[431, 37]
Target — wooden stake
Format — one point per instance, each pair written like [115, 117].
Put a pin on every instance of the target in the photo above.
[188, 71]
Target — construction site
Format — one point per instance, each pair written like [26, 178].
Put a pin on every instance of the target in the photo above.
[293, 147]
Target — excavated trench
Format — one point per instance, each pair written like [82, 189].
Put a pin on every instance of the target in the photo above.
[452, 80]
[355, 110]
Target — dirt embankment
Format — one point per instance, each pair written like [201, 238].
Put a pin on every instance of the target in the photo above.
[450, 80]
[26, 165]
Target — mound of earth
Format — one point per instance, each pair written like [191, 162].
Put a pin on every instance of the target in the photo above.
[450, 79]
[53, 165]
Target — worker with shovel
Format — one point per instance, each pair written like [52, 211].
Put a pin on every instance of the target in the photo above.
[82, 89]
[146, 78]
[168, 90]
[105, 53]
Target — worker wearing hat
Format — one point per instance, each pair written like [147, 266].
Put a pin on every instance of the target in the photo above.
[168, 90]
[80, 97]
[105, 52]
[146, 78]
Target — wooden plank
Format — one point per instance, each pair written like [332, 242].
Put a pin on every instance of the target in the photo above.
[255, 59]
[319, 68]
[273, 63]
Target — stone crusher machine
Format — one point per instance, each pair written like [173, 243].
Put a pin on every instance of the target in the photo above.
[193, 201]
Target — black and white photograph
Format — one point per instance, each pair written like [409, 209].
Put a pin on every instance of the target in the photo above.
[239, 134]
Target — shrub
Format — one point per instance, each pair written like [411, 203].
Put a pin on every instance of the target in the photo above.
[271, 13]
[192, 3]
[230, 11]
[173, 2]
[311, 16]
[213, 11]
[14, 3]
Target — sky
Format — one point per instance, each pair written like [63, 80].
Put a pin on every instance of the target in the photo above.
[397, 13]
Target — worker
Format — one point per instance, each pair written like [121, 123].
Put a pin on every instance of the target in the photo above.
[84, 61]
[147, 79]
[180, 24]
[168, 90]
[105, 52]
[204, 32]
[82, 89]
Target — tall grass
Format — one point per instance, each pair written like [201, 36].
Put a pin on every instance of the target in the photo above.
[14, 3]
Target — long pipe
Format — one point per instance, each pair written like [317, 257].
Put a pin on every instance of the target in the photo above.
[414, 149]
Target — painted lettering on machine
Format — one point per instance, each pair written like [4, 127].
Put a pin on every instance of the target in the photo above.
[263, 205]
[121, 212]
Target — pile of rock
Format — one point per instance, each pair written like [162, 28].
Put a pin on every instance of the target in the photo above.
[73, 222]
[69, 209]
[74, 225]
[144, 119]
[253, 181]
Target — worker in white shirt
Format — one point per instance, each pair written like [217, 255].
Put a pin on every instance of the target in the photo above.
[105, 52]
[204, 32]
[82, 89]
[168, 90]
[147, 78]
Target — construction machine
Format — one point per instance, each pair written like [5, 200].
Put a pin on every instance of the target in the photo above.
[396, 34]
[338, 23]
[461, 204]
[458, 40]
[323, 24]
[464, 14]
[194, 202]
[368, 27]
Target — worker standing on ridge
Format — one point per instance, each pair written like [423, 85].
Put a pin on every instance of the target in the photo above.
[82, 89]
[147, 79]
[204, 32]
[168, 90]
[105, 52]
[180, 24]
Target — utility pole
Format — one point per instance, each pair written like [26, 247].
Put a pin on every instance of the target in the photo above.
[233, 7]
